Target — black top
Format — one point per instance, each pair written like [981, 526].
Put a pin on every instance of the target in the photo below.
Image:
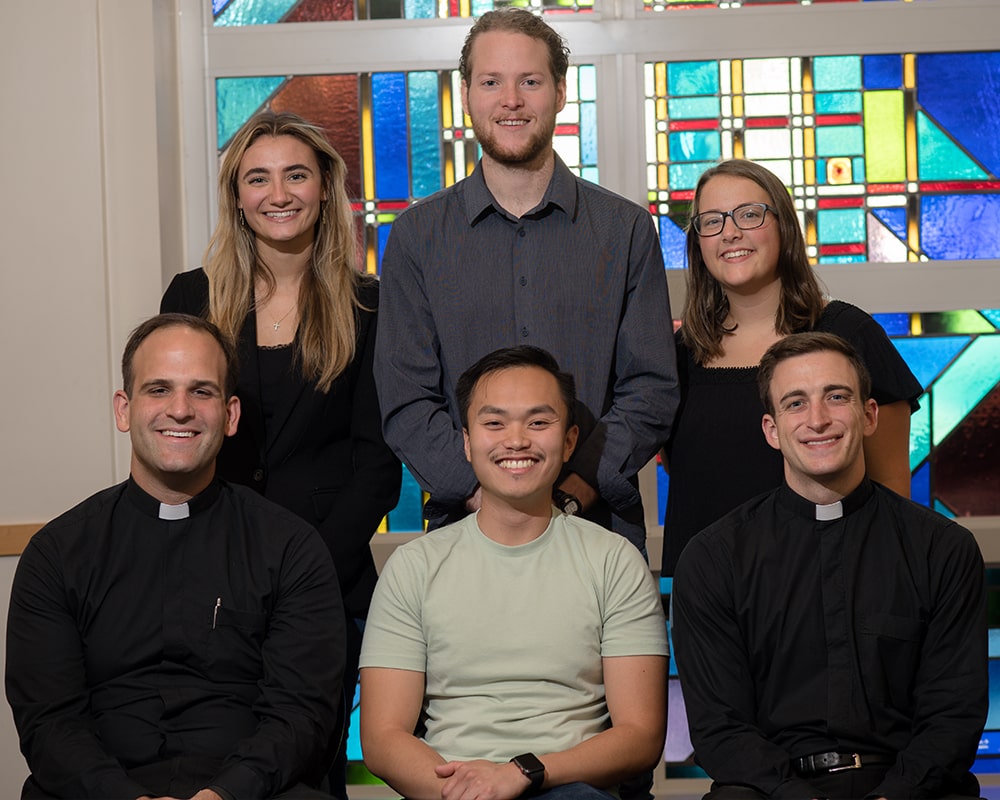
[159, 656]
[322, 455]
[717, 455]
[861, 634]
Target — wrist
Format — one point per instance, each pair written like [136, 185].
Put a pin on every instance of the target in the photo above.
[533, 771]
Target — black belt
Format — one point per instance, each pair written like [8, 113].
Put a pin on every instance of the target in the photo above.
[819, 763]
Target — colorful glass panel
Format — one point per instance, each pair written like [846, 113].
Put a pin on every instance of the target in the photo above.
[675, 5]
[887, 157]
[403, 135]
[269, 12]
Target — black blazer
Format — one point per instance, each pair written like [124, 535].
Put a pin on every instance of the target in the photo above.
[324, 457]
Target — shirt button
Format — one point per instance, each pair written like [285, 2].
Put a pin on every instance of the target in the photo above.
[523, 281]
[258, 475]
[524, 332]
[520, 232]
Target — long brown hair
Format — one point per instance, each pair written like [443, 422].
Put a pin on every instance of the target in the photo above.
[327, 334]
[801, 301]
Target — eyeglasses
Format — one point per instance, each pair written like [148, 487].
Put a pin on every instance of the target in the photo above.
[745, 217]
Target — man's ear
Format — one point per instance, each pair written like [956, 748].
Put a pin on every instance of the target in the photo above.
[232, 415]
[465, 439]
[770, 429]
[870, 409]
[121, 407]
[572, 436]
[465, 97]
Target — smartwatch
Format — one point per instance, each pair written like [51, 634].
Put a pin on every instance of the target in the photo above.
[532, 769]
[566, 502]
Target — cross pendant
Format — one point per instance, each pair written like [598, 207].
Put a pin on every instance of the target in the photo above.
[277, 325]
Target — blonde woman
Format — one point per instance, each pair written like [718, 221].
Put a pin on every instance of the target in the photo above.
[281, 279]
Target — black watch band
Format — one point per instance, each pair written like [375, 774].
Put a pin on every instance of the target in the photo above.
[566, 502]
[532, 769]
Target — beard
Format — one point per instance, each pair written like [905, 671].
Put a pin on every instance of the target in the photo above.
[534, 148]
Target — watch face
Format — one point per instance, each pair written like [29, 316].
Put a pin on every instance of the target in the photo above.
[529, 764]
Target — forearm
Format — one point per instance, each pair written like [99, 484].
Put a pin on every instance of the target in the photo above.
[620, 752]
[404, 762]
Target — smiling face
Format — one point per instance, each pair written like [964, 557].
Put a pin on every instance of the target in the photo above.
[745, 262]
[176, 412]
[512, 98]
[517, 438]
[819, 424]
[280, 188]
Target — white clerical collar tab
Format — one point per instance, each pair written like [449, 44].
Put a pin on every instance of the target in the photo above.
[830, 511]
[179, 511]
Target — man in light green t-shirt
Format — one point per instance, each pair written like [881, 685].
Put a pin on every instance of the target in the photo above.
[520, 650]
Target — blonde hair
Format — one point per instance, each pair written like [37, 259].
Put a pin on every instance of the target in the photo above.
[328, 302]
[801, 302]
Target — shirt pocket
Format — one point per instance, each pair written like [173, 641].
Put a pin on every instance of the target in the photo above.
[890, 648]
[235, 644]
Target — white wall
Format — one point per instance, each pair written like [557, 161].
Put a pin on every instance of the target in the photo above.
[79, 226]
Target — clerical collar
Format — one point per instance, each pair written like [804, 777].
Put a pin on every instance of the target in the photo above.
[832, 511]
[152, 507]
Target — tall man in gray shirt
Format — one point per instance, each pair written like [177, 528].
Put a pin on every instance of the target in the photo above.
[524, 252]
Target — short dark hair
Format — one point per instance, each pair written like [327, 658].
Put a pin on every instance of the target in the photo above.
[800, 344]
[524, 355]
[161, 321]
[517, 20]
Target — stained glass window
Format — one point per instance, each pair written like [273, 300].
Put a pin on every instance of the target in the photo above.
[269, 12]
[673, 5]
[403, 135]
[888, 157]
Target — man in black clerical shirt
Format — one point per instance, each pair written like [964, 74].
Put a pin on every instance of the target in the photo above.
[831, 635]
[175, 636]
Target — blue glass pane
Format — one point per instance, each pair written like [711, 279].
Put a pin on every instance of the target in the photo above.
[938, 157]
[587, 82]
[838, 103]
[858, 165]
[833, 73]
[693, 78]
[841, 225]
[993, 315]
[920, 485]
[894, 324]
[920, 433]
[840, 140]
[254, 12]
[389, 125]
[883, 72]
[694, 108]
[685, 176]
[927, 356]
[237, 99]
[960, 226]
[894, 219]
[695, 146]
[383, 237]
[408, 514]
[662, 490]
[419, 9]
[961, 91]
[425, 133]
[588, 133]
[673, 244]
[943, 510]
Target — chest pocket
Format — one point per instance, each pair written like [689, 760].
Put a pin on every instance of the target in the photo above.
[890, 648]
[235, 642]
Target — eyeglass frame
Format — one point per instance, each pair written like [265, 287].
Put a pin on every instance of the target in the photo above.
[731, 214]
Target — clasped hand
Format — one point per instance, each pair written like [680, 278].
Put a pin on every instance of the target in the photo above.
[481, 780]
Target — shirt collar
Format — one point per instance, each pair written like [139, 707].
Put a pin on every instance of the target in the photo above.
[152, 507]
[480, 203]
[824, 513]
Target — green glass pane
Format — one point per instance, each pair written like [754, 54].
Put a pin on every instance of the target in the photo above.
[920, 433]
[938, 157]
[838, 102]
[694, 108]
[840, 226]
[840, 140]
[836, 73]
[693, 78]
[885, 143]
[956, 322]
[236, 100]
[964, 384]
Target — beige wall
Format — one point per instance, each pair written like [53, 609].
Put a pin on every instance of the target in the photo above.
[79, 222]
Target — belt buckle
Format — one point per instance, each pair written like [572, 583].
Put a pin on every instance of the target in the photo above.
[842, 767]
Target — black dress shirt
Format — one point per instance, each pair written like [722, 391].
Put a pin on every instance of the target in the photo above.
[147, 654]
[865, 634]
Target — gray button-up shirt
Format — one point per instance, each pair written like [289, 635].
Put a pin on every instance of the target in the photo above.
[581, 275]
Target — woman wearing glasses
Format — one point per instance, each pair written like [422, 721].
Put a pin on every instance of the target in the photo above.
[749, 285]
